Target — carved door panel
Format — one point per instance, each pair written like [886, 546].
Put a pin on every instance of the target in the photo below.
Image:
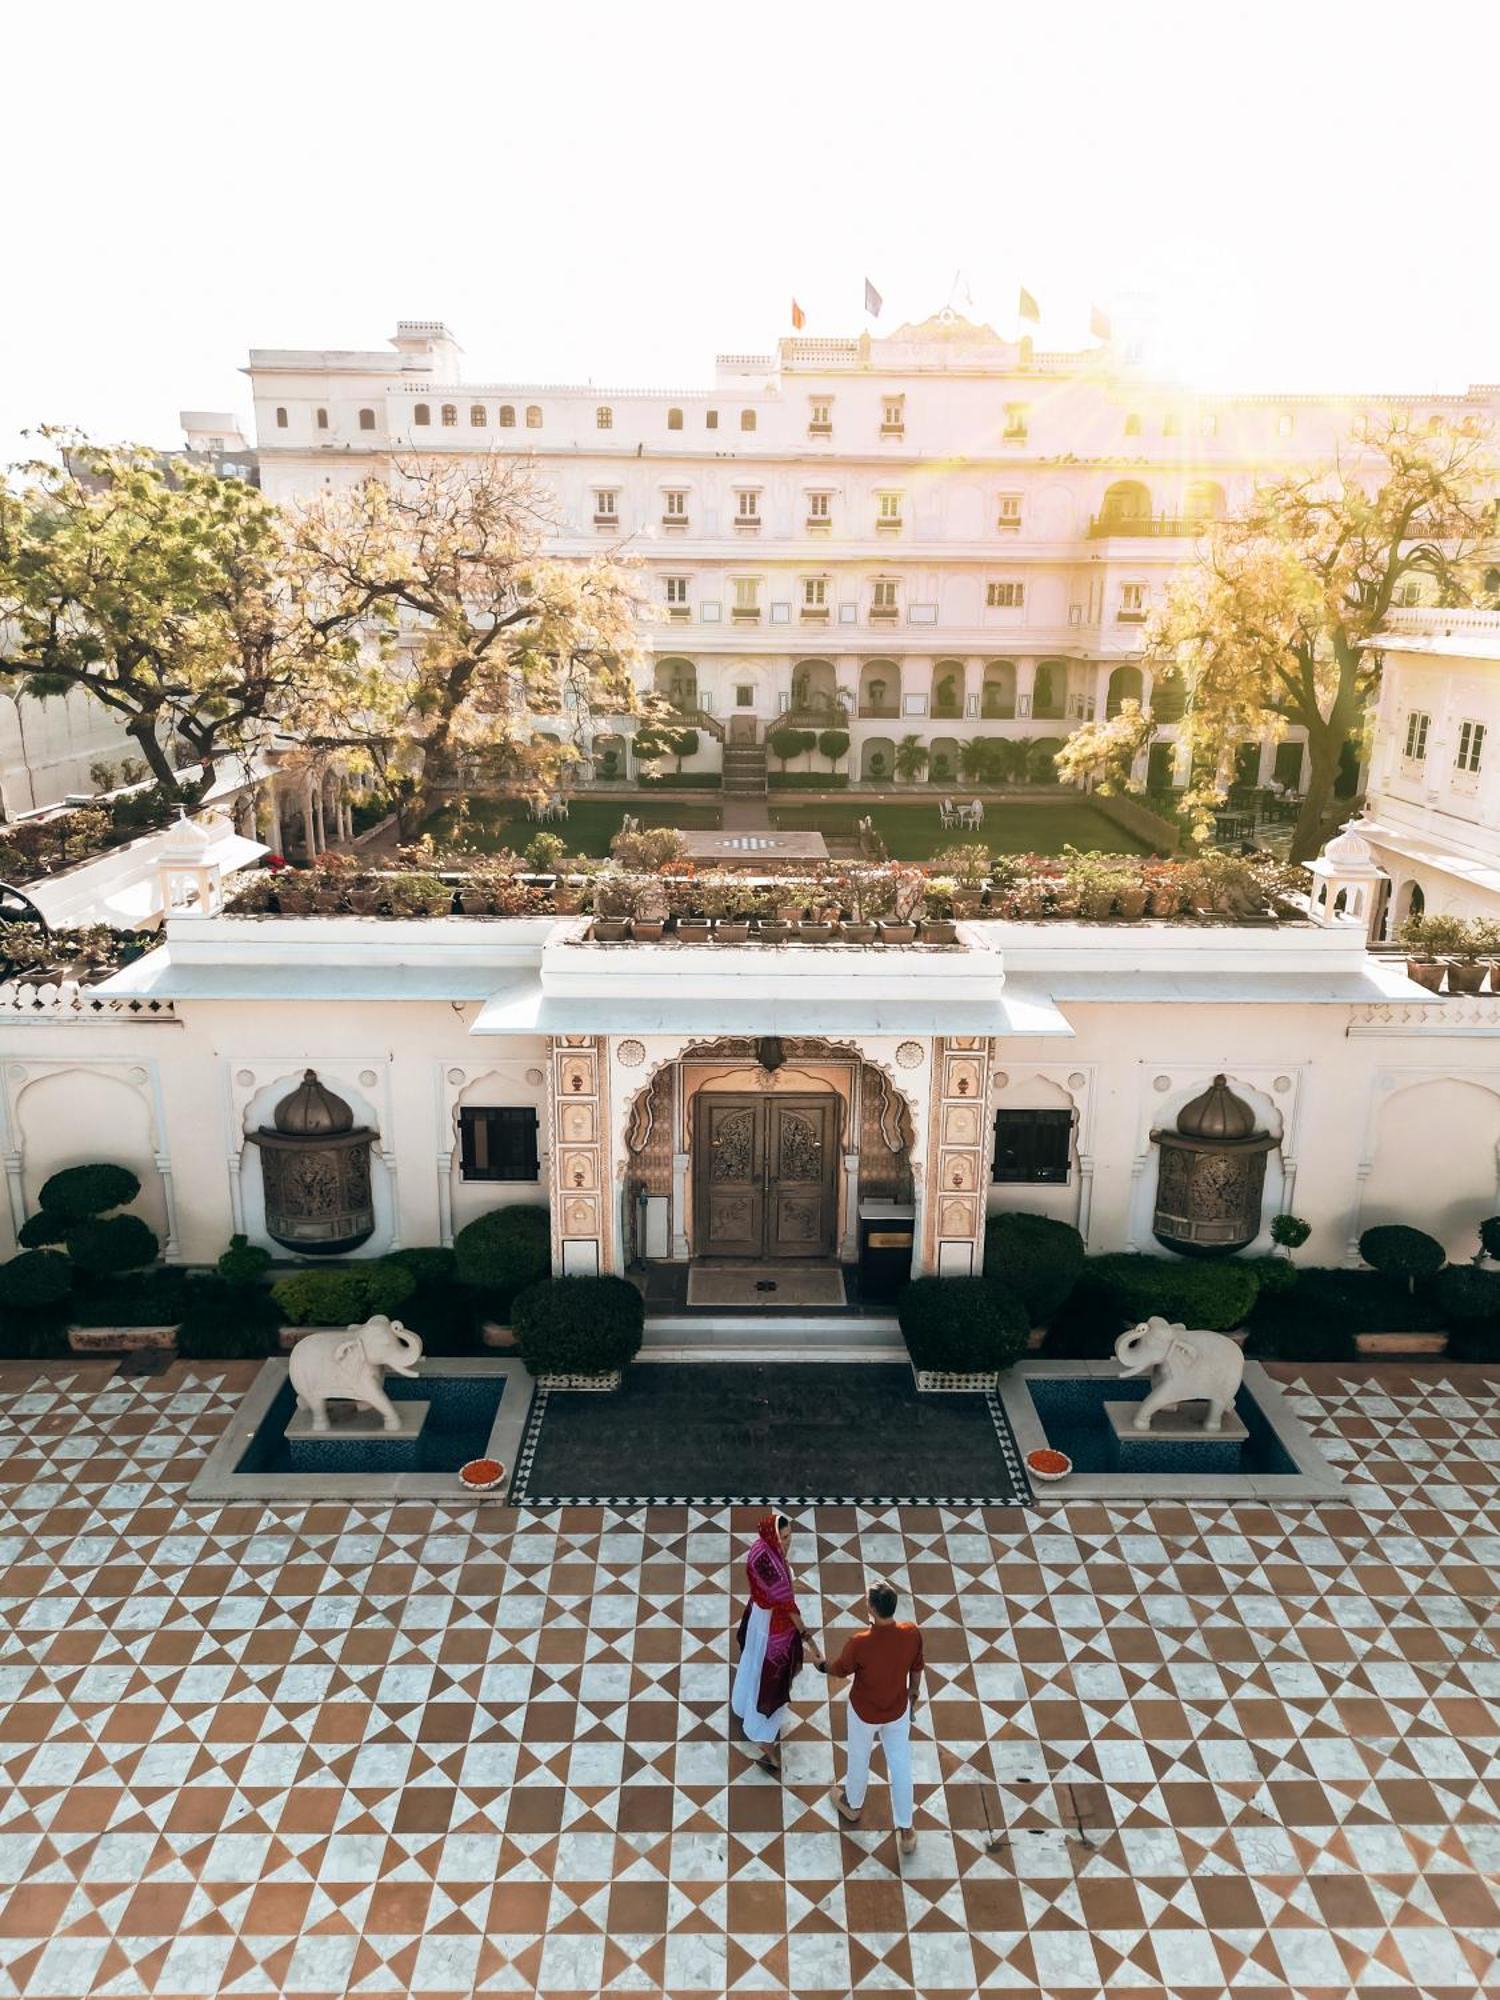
[729, 1177]
[801, 1201]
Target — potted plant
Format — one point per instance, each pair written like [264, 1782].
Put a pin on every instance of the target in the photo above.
[1469, 963]
[1423, 938]
[1163, 888]
[579, 1333]
[293, 893]
[474, 893]
[868, 895]
[908, 887]
[1090, 880]
[420, 895]
[738, 901]
[612, 906]
[648, 906]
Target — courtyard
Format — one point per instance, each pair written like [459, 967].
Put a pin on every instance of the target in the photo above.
[334, 1750]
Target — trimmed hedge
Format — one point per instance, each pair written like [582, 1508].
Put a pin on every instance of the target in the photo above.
[107, 1245]
[1317, 1318]
[35, 1278]
[1217, 1295]
[440, 1310]
[579, 1326]
[345, 1295]
[807, 781]
[227, 1322]
[962, 1326]
[1398, 1251]
[146, 1298]
[1037, 1257]
[503, 1252]
[77, 1193]
[38, 1333]
[40, 1230]
[1467, 1296]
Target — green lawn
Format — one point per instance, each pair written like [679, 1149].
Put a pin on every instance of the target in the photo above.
[492, 824]
[915, 833]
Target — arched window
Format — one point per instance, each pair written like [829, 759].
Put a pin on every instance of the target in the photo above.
[281, 420]
[479, 416]
[507, 416]
[604, 418]
[674, 420]
[1126, 501]
[322, 420]
[1133, 424]
[533, 416]
[450, 414]
[747, 420]
[421, 414]
[367, 420]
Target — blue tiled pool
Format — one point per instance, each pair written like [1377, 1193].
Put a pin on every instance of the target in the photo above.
[1072, 1414]
[461, 1414]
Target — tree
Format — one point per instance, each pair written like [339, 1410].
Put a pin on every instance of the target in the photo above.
[1278, 624]
[160, 592]
[911, 759]
[833, 744]
[684, 743]
[789, 743]
[1105, 751]
[442, 567]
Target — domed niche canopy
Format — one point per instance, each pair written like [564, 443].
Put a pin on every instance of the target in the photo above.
[316, 1166]
[1212, 1175]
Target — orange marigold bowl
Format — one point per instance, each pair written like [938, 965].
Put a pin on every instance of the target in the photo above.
[481, 1475]
[1045, 1463]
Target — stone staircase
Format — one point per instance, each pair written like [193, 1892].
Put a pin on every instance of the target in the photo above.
[745, 770]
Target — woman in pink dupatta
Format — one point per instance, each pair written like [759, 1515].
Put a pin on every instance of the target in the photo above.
[771, 1640]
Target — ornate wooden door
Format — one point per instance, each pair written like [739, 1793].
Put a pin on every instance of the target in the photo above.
[764, 1176]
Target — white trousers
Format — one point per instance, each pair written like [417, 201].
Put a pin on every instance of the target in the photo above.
[895, 1740]
[746, 1694]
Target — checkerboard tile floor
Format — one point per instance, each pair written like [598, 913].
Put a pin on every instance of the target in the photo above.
[433, 1751]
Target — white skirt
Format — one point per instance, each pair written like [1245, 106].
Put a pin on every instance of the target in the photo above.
[759, 1728]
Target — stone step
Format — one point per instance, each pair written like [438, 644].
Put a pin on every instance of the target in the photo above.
[807, 1336]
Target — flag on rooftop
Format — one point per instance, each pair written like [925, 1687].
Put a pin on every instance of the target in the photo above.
[1099, 325]
[1029, 309]
[799, 317]
[873, 300]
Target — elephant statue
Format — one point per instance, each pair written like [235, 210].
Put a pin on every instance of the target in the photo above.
[1184, 1368]
[351, 1364]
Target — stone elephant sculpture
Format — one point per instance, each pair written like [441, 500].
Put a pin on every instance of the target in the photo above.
[1185, 1367]
[352, 1364]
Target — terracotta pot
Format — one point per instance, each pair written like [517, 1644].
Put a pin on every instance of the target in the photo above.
[1426, 972]
[1494, 972]
[1131, 903]
[1164, 902]
[610, 930]
[968, 902]
[647, 930]
[898, 933]
[773, 932]
[1464, 976]
[326, 901]
[293, 902]
[364, 902]
[567, 902]
[732, 930]
[694, 930]
[815, 933]
[857, 933]
[1098, 904]
[790, 913]
[939, 930]
[473, 905]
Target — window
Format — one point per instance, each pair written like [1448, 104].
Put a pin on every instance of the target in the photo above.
[746, 593]
[1005, 596]
[748, 508]
[1417, 726]
[814, 593]
[604, 503]
[604, 418]
[1034, 1146]
[367, 420]
[889, 509]
[677, 588]
[710, 420]
[533, 416]
[1409, 591]
[1284, 424]
[505, 416]
[450, 416]
[674, 504]
[820, 416]
[281, 420]
[674, 420]
[883, 594]
[322, 420]
[498, 1143]
[1015, 420]
[1209, 424]
[1132, 600]
[893, 414]
[479, 416]
[1009, 515]
[1133, 424]
[1171, 425]
[744, 695]
[820, 506]
[747, 420]
[1470, 746]
[421, 414]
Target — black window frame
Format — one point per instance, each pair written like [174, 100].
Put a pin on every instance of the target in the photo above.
[512, 1141]
[1044, 1158]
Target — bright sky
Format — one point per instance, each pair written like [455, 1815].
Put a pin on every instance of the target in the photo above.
[1284, 197]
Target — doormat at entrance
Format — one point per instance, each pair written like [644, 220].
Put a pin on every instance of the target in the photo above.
[723, 1434]
[775, 1285]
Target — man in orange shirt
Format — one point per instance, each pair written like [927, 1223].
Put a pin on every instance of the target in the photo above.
[885, 1664]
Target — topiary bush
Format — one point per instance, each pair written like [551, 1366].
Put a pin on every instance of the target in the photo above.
[243, 1263]
[1217, 1295]
[77, 1193]
[35, 1278]
[578, 1326]
[41, 1229]
[342, 1296]
[1037, 1257]
[1398, 1251]
[1290, 1231]
[503, 1252]
[1465, 1295]
[106, 1245]
[962, 1326]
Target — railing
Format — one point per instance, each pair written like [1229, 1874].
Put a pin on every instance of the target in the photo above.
[1156, 525]
[815, 717]
[68, 1001]
[868, 712]
[701, 719]
[1431, 618]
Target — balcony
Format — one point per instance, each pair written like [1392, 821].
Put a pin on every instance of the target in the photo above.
[1156, 526]
[886, 712]
[747, 521]
[606, 520]
[889, 524]
[680, 614]
[1014, 434]
[814, 614]
[947, 711]
[893, 430]
[745, 614]
[1127, 617]
[820, 430]
[1008, 521]
[817, 524]
[883, 614]
[674, 520]
[998, 711]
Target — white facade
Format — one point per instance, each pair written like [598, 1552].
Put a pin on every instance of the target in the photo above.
[1433, 801]
[48, 749]
[950, 534]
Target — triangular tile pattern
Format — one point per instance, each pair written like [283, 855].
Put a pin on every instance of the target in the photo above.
[377, 1750]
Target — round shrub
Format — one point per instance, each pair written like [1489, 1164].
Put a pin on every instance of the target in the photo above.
[107, 1244]
[1398, 1251]
[1489, 1236]
[962, 1326]
[1274, 1274]
[1290, 1231]
[79, 1192]
[341, 1297]
[1465, 1295]
[1035, 1256]
[578, 1326]
[243, 1263]
[1216, 1296]
[35, 1278]
[503, 1252]
[38, 1230]
[428, 1266]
